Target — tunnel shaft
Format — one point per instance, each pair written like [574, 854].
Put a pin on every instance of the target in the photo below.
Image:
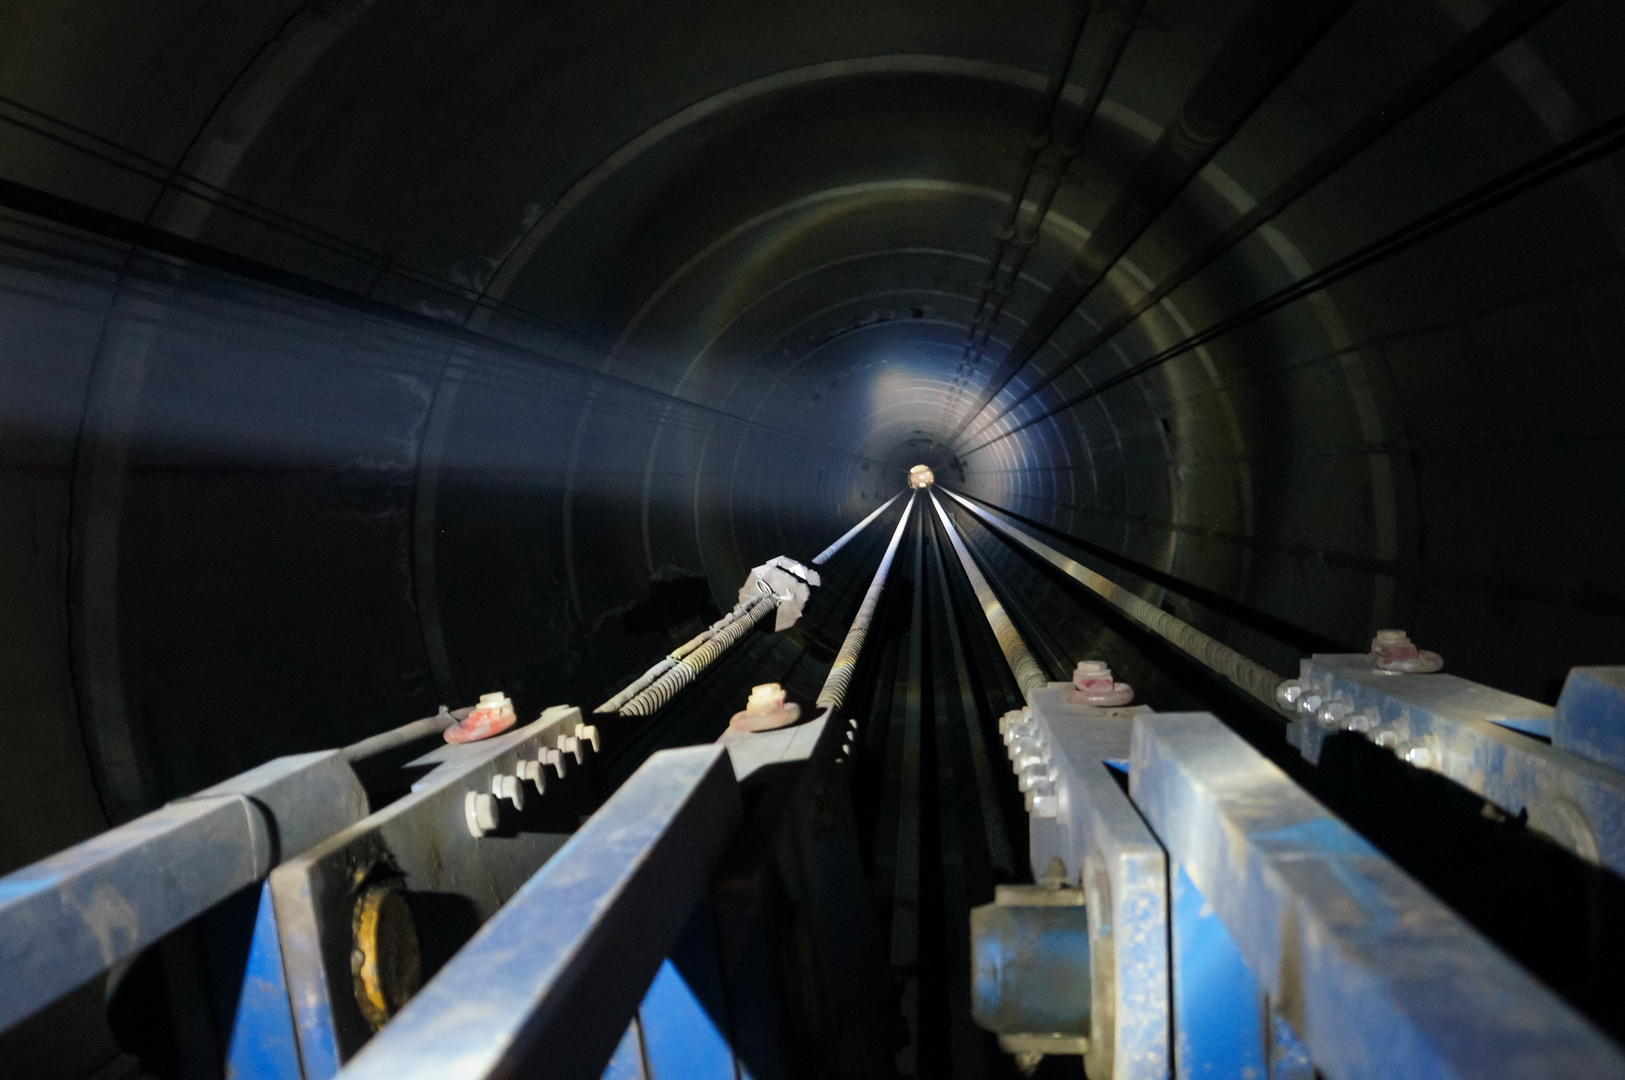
[361, 358]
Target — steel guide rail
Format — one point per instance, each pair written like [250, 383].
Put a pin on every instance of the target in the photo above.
[845, 538]
[1217, 657]
[682, 665]
[752, 751]
[1029, 676]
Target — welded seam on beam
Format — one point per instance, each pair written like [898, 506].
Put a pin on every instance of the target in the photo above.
[1507, 23]
[1596, 143]
[1029, 676]
[1253, 677]
[846, 661]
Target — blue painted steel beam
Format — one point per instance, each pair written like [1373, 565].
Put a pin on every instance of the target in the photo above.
[1590, 716]
[1377, 977]
[424, 837]
[549, 984]
[67, 918]
[1462, 728]
[1103, 842]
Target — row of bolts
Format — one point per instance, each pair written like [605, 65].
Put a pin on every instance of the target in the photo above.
[480, 807]
[1025, 741]
[1028, 744]
[1391, 651]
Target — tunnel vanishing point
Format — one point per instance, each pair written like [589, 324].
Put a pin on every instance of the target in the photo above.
[912, 538]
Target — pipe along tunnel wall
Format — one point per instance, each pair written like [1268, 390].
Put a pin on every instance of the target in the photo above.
[360, 358]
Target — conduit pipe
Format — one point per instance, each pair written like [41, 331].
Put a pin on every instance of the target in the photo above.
[1029, 676]
[1260, 54]
[1254, 678]
[1014, 235]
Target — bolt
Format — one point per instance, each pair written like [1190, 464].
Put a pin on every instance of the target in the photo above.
[1361, 722]
[1309, 704]
[479, 813]
[533, 771]
[1417, 753]
[1333, 712]
[1288, 692]
[553, 757]
[588, 733]
[509, 787]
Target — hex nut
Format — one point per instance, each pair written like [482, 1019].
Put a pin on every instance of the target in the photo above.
[480, 813]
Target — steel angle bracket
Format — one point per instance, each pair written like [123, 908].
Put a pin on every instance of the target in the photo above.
[66, 918]
[1465, 731]
[1377, 978]
[1104, 843]
[453, 880]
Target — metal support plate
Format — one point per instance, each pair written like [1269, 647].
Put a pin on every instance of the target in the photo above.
[454, 881]
[1590, 717]
[548, 985]
[1104, 843]
[1378, 978]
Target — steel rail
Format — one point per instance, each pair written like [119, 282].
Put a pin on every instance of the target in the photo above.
[679, 667]
[829, 553]
[833, 692]
[1249, 675]
[1029, 676]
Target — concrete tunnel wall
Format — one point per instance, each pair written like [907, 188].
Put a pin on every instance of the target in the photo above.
[241, 520]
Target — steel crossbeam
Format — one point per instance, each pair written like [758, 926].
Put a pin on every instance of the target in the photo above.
[1377, 977]
[1469, 733]
[68, 917]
